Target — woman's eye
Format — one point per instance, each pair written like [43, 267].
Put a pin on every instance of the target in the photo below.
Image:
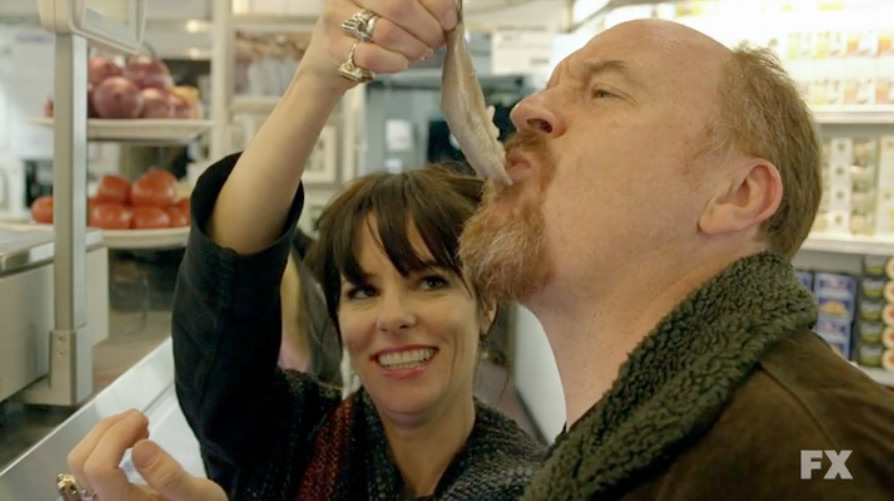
[434, 282]
[601, 93]
[360, 292]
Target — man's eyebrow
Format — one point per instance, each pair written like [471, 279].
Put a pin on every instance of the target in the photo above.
[595, 68]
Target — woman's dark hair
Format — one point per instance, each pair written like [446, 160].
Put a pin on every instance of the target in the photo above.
[435, 199]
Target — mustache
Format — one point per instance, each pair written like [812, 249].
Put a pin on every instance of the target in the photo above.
[535, 145]
[527, 141]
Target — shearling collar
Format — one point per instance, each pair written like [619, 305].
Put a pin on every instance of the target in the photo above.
[676, 382]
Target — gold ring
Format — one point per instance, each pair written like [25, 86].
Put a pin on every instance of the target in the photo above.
[67, 485]
[353, 72]
[361, 25]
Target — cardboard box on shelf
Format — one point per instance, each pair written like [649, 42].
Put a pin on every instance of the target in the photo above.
[862, 222]
[836, 295]
[884, 213]
[841, 151]
[839, 199]
[806, 278]
[836, 222]
[836, 332]
[885, 177]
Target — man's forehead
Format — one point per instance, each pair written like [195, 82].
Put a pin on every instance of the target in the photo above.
[647, 54]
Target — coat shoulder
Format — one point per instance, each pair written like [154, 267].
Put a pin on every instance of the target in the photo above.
[801, 397]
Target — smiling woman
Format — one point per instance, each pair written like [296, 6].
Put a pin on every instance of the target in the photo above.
[408, 316]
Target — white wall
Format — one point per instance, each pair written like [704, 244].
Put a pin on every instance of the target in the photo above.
[535, 374]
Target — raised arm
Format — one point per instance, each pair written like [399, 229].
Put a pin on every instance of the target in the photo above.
[252, 206]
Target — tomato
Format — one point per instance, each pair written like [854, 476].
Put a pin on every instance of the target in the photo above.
[177, 218]
[91, 203]
[42, 209]
[109, 216]
[183, 205]
[113, 189]
[145, 218]
[155, 188]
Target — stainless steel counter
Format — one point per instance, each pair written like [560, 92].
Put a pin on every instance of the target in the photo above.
[133, 367]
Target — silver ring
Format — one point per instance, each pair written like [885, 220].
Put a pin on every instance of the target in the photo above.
[68, 487]
[353, 72]
[361, 25]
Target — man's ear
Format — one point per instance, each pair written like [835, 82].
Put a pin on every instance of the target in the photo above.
[488, 315]
[745, 201]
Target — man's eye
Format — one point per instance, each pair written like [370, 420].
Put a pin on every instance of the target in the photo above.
[602, 93]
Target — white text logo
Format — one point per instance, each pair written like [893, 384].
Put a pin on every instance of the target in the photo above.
[813, 460]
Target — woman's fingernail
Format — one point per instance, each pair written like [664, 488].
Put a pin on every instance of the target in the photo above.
[144, 453]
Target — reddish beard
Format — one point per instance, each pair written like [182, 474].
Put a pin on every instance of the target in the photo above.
[503, 246]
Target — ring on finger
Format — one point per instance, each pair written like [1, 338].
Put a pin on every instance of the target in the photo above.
[361, 25]
[351, 71]
[68, 487]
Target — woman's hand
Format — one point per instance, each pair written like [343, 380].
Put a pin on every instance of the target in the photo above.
[406, 31]
[95, 464]
[253, 205]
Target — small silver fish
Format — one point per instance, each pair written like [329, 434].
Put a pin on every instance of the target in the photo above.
[469, 119]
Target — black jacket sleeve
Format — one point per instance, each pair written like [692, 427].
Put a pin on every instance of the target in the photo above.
[247, 414]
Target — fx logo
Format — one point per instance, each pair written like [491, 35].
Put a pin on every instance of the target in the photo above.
[813, 460]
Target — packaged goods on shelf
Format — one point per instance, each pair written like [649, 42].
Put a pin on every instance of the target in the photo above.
[876, 306]
[836, 295]
[885, 187]
[858, 186]
[856, 312]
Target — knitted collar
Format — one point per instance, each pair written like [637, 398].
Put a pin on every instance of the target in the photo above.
[677, 381]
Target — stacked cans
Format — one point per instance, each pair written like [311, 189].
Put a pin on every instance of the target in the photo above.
[875, 321]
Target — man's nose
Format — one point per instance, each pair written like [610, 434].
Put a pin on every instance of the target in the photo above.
[395, 313]
[533, 114]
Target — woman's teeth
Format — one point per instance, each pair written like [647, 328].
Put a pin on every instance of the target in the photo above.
[406, 359]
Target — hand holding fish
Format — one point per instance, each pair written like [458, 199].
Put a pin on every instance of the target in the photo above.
[354, 40]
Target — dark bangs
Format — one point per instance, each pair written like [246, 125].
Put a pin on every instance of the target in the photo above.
[437, 201]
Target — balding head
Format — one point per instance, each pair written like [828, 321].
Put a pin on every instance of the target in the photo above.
[620, 163]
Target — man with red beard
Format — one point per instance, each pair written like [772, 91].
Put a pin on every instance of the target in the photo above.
[661, 184]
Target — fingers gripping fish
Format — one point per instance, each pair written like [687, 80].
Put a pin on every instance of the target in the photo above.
[469, 119]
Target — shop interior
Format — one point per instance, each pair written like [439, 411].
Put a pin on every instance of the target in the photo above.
[85, 301]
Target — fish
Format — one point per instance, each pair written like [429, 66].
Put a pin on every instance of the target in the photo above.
[470, 120]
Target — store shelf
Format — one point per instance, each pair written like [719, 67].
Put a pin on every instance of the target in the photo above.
[155, 239]
[273, 22]
[155, 132]
[849, 244]
[162, 238]
[854, 115]
[881, 376]
[253, 104]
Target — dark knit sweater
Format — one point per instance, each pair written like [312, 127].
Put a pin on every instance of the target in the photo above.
[265, 433]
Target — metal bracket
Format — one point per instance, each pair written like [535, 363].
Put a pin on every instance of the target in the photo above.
[70, 380]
